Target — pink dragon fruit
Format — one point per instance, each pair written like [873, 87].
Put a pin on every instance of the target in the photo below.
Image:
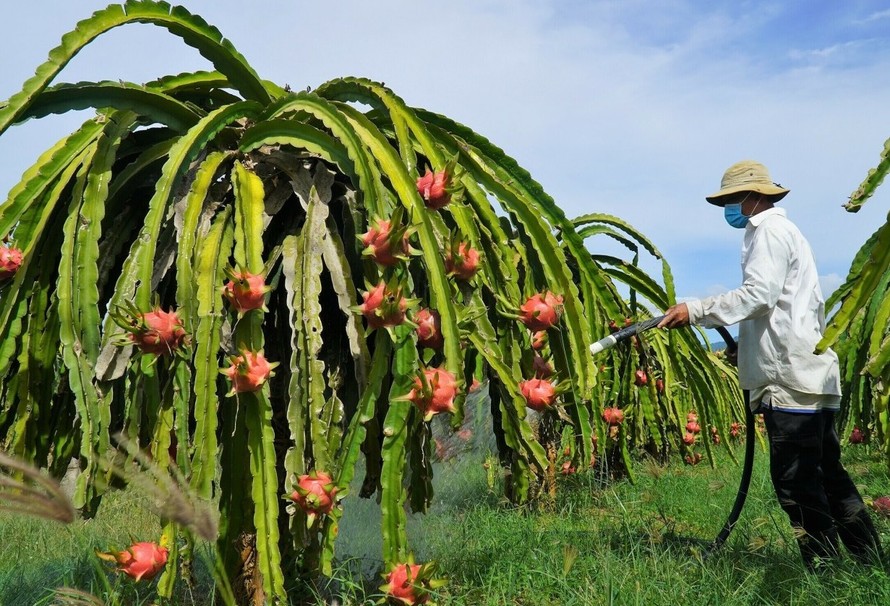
[882, 506]
[539, 340]
[541, 368]
[434, 189]
[10, 261]
[541, 311]
[462, 261]
[539, 394]
[689, 439]
[383, 306]
[249, 371]
[157, 332]
[693, 427]
[857, 436]
[613, 416]
[315, 494]
[429, 328]
[640, 378]
[384, 244]
[408, 584]
[246, 291]
[142, 560]
[437, 395]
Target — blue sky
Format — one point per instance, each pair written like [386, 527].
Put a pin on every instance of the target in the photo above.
[628, 107]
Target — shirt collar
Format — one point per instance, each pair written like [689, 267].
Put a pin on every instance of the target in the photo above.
[759, 218]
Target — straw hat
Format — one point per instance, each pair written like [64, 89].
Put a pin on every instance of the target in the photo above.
[747, 175]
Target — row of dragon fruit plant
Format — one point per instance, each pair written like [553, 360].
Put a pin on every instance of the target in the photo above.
[258, 287]
[859, 328]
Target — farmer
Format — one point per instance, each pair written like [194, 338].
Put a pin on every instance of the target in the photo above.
[781, 316]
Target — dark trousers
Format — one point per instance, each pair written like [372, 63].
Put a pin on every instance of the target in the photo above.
[814, 489]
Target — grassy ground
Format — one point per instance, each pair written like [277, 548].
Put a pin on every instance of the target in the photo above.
[625, 543]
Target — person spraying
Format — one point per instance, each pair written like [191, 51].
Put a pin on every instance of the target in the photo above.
[781, 315]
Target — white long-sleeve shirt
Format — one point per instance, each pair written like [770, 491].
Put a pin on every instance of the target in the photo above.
[781, 315]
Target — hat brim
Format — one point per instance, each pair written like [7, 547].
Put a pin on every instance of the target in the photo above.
[768, 189]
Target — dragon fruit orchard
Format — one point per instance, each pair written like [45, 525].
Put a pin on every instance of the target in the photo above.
[228, 223]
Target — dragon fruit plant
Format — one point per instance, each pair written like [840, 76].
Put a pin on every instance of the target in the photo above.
[216, 220]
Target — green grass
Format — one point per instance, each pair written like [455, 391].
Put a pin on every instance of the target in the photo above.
[622, 544]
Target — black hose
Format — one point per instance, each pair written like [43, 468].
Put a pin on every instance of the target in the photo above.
[747, 466]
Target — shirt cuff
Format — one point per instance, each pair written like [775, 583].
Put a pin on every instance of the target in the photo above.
[696, 311]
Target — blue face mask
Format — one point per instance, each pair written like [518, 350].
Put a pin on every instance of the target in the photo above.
[734, 216]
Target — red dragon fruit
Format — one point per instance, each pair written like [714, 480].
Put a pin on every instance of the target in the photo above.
[408, 584]
[613, 416]
[475, 386]
[735, 428]
[434, 392]
[10, 261]
[689, 439]
[715, 435]
[385, 244]
[539, 394]
[691, 417]
[249, 371]
[157, 332]
[640, 378]
[659, 385]
[693, 427]
[857, 436]
[539, 340]
[383, 306]
[246, 291]
[436, 188]
[541, 368]
[462, 261]
[882, 506]
[541, 311]
[315, 494]
[429, 328]
[142, 560]
[693, 459]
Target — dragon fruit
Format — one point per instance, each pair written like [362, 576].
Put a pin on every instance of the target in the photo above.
[408, 584]
[659, 385]
[613, 416]
[693, 459]
[315, 494]
[691, 417]
[383, 306]
[142, 560]
[462, 261]
[882, 506]
[735, 428]
[693, 427]
[10, 261]
[246, 291]
[539, 340]
[157, 332]
[857, 436]
[385, 244]
[640, 378]
[541, 368]
[434, 393]
[429, 328]
[689, 439]
[715, 435]
[541, 311]
[539, 394]
[436, 188]
[249, 371]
